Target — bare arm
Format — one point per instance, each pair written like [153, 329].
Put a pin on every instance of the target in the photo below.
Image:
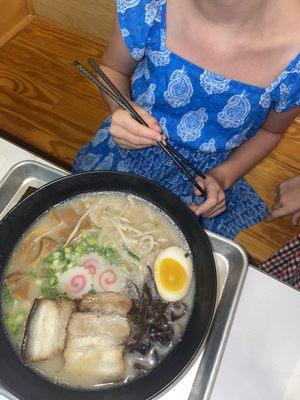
[255, 149]
[241, 161]
[119, 65]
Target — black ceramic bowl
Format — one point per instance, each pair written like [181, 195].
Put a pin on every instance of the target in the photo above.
[28, 385]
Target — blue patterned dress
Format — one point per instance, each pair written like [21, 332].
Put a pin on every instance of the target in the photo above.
[204, 115]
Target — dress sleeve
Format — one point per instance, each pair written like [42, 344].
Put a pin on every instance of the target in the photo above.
[135, 17]
[287, 94]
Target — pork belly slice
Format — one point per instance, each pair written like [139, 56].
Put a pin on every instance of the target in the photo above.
[95, 345]
[106, 303]
[66, 308]
[81, 344]
[102, 363]
[110, 329]
[46, 328]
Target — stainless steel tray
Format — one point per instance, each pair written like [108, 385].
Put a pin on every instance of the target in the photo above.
[20, 177]
[231, 262]
[236, 261]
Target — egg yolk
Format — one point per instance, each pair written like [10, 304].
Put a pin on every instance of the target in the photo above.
[172, 275]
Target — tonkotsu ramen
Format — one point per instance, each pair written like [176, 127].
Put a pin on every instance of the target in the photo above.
[98, 290]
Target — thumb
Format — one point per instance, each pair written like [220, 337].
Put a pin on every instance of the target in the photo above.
[201, 184]
[295, 217]
[274, 214]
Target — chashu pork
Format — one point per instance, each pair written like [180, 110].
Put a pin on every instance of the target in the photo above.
[113, 329]
[95, 345]
[106, 302]
[46, 328]
[104, 364]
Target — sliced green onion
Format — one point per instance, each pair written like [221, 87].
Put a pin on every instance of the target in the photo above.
[49, 292]
[68, 251]
[7, 297]
[53, 281]
[48, 260]
[79, 250]
[92, 290]
[57, 255]
[131, 254]
[14, 323]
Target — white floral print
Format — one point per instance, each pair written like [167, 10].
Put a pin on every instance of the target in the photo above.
[237, 140]
[138, 53]
[106, 162]
[284, 95]
[213, 83]
[147, 99]
[180, 89]
[141, 71]
[163, 125]
[265, 99]
[235, 112]
[101, 136]
[125, 32]
[208, 147]
[123, 5]
[191, 125]
[160, 58]
[153, 11]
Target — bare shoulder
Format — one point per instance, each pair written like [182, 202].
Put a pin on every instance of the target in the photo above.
[116, 55]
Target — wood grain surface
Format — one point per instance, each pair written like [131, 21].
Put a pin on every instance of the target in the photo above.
[91, 16]
[48, 107]
[14, 16]
[44, 101]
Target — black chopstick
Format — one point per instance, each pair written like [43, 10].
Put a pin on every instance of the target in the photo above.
[100, 85]
[137, 117]
[118, 98]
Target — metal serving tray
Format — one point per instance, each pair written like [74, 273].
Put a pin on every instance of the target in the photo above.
[20, 177]
[231, 263]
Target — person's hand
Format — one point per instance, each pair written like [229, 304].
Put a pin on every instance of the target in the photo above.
[130, 134]
[215, 202]
[287, 200]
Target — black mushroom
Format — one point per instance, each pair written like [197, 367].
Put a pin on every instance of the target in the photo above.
[152, 321]
[177, 310]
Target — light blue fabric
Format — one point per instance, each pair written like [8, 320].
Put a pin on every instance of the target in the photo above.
[203, 114]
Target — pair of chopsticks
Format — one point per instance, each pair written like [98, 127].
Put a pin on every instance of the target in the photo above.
[112, 92]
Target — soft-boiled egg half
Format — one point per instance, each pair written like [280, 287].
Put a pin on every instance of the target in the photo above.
[173, 270]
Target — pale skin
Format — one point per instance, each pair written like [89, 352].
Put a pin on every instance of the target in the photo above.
[234, 38]
[287, 200]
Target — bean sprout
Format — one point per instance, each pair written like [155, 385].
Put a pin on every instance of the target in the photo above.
[119, 230]
[122, 219]
[74, 231]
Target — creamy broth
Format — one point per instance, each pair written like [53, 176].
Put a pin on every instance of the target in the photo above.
[99, 242]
